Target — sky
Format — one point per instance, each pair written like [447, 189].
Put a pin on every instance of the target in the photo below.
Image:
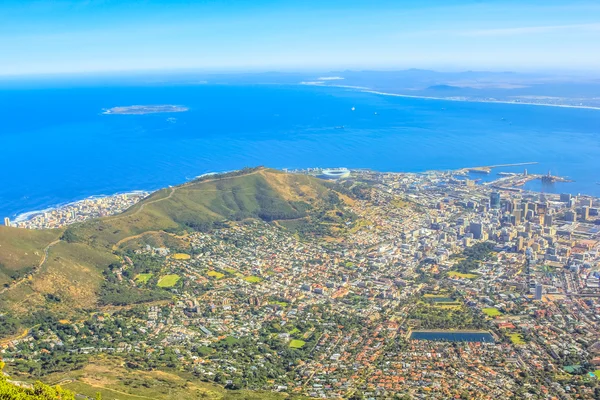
[67, 36]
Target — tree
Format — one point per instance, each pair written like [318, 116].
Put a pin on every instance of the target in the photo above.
[39, 391]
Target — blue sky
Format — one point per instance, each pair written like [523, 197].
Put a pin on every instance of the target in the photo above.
[63, 36]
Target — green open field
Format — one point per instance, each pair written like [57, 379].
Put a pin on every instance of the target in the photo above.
[181, 256]
[491, 312]
[456, 274]
[297, 344]
[253, 279]
[215, 274]
[168, 281]
[516, 338]
[143, 278]
[597, 373]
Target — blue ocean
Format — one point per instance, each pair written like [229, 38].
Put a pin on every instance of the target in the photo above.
[57, 146]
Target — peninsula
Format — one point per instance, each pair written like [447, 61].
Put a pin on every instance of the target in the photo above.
[147, 109]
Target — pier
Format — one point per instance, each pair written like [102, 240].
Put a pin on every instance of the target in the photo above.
[514, 181]
[488, 169]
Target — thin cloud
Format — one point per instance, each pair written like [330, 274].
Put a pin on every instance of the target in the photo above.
[528, 30]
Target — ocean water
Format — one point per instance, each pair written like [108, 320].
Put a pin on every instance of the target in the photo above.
[57, 147]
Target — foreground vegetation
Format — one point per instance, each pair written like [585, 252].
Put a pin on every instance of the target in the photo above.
[38, 391]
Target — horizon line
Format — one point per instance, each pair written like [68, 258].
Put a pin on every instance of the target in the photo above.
[289, 71]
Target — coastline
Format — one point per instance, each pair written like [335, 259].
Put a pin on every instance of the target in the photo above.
[28, 215]
[465, 100]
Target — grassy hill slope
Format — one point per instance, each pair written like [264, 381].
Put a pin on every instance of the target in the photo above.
[21, 250]
[262, 193]
[70, 276]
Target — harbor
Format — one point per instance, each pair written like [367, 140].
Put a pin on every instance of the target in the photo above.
[509, 180]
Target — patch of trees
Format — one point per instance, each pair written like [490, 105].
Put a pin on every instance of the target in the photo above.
[195, 222]
[121, 295]
[473, 256]
[69, 236]
[8, 326]
[271, 207]
[361, 192]
[432, 317]
[39, 391]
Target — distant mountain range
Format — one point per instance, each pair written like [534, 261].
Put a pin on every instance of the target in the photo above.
[540, 88]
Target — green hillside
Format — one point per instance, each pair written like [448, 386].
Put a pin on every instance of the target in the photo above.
[259, 193]
[62, 270]
[21, 250]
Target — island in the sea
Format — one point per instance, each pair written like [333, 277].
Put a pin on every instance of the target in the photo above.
[148, 109]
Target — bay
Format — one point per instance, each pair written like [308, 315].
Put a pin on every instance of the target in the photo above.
[57, 146]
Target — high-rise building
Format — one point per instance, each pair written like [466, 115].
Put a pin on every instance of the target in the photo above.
[548, 220]
[518, 214]
[570, 216]
[565, 197]
[538, 291]
[7, 221]
[533, 207]
[587, 202]
[495, 200]
[520, 243]
[572, 202]
[585, 213]
[529, 215]
[476, 229]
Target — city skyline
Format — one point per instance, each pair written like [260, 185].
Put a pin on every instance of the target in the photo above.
[109, 36]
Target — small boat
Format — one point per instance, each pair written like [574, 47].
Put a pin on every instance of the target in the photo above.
[353, 108]
[339, 127]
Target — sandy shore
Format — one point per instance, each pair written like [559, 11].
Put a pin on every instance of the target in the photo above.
[368, 90]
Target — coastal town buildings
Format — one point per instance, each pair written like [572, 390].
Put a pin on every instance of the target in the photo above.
[79, 211]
